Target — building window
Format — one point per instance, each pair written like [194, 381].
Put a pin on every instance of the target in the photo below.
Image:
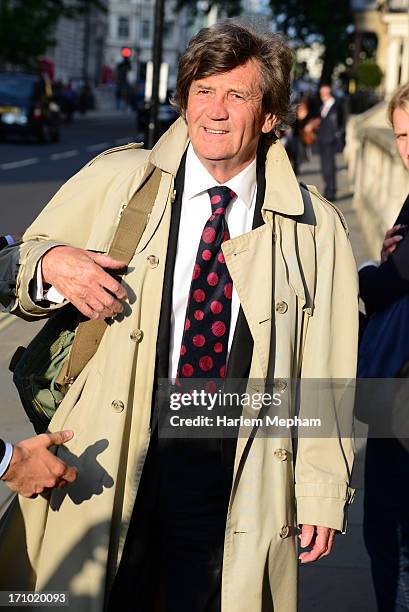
[123, 27]
[146, 29]
[168, 31]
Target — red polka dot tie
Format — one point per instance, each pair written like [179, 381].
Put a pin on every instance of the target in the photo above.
[204, 344]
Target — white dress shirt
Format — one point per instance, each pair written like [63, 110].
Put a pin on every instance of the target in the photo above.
[9, 239]
[5, 462]
[196, 209]
[327, 107]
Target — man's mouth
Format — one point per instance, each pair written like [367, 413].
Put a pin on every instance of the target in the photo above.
[210, 131]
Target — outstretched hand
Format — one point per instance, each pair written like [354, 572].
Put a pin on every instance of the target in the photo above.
[34, 468]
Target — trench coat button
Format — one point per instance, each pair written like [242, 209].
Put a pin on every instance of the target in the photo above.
[281, 307]
[153, 261]
[284, 531]
[117, 406]
[280, 384]
[136, 335]
[280, 454]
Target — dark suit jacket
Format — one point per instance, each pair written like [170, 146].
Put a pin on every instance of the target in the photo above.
[381, 286]
[332, 127]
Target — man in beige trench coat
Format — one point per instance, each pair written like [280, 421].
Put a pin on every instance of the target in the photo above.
[295, 296]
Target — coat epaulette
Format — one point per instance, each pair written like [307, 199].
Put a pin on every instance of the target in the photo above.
[314, 190]
[129, 145]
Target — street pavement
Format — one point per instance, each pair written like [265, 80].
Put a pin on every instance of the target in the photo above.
[29, 175]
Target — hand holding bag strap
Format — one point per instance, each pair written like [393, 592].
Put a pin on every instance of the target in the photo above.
[132, 223]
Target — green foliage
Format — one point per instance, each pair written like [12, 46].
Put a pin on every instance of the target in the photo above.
[368, 74]
[27, 27]
[326, 20]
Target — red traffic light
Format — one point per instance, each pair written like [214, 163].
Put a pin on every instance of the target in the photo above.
[126, 52]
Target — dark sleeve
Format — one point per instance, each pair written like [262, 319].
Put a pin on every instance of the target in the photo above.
[340, 116]
[403, 216]
[314, 107]
[3, 242]
[2, 449]
[380, 287]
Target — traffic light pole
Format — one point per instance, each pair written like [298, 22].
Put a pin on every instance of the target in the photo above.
[157, 60]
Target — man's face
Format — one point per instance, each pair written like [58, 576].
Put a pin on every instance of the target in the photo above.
[400, 121]
[225, 119]
[325, 93]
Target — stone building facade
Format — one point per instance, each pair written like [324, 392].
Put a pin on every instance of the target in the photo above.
[131, 24]
[78, 54]
[389, 21]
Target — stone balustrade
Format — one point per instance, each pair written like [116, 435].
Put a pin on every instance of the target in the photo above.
[380, 182]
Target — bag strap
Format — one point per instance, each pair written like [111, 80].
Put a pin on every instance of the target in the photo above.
[132, 223]
[134, 219]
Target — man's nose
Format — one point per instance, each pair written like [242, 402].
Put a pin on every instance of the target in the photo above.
[217, 109]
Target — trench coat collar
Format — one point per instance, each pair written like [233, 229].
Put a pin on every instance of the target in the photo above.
[282, 194]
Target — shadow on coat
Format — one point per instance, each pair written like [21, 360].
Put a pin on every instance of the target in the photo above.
[83, 569]
[92, 477]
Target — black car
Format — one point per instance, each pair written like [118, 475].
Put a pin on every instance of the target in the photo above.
[27, 107]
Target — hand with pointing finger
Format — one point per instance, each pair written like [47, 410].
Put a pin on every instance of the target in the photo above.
[80, 276]
[34, 468]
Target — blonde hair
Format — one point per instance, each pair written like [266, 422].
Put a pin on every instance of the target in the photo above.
[400, 99]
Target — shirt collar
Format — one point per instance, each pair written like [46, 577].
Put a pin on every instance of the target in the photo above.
[198, 179]
[283, 194]
[328, 104]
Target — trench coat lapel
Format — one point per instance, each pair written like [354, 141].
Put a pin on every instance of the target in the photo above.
[242, 254]
[241, 352]
[168, 161]
[163, 343]
[250, 257]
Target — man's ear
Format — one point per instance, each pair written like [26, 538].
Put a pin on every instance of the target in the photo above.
[269, 123]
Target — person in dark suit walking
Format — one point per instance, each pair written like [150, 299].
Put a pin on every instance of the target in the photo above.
[330, 139]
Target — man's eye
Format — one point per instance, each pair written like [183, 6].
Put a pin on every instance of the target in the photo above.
[204, 91]
[238, 97]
